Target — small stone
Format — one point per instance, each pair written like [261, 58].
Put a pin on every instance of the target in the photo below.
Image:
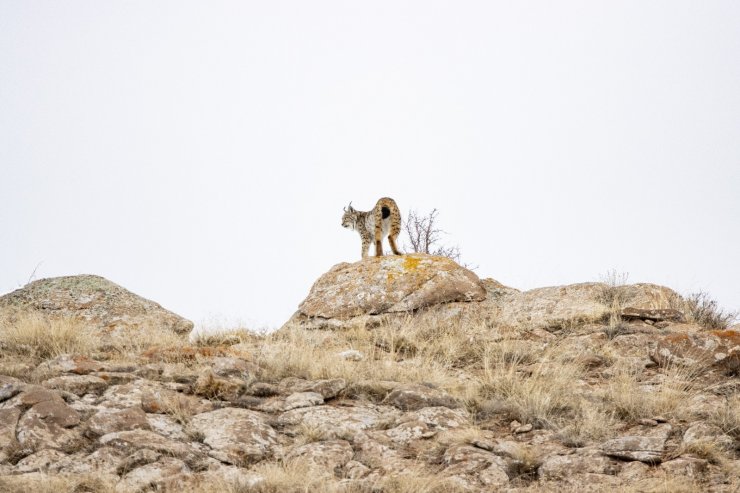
[514, 425]
[303, 399]
[685, 466]
[523, 429]
[648, 422]
[351, 355]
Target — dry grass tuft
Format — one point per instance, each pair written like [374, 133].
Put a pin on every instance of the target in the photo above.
[727, 417]
[541, 393]
[631, 400]
[35, 336]
[593, 423]
[78, 483]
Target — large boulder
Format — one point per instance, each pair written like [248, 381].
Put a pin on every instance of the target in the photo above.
[95, 300]
[386, 285]
[561, 306]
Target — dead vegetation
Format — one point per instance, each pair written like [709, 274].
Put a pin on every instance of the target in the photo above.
[701, 309]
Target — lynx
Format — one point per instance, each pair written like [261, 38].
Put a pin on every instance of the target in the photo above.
[383, 220]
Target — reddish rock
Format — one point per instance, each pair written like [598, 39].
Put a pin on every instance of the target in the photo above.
[719, 348]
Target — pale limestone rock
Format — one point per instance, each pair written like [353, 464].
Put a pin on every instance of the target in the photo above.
[39, 461]
[303, 399]
[338, 422]
[328, 389]
[104, 460]
[685, 466]
[410, 430]
[129, 442]
[351, 355]
[411, 397]
[438, 418]
[646, 444]
[701, 431]
[98, 302]
[329, 455]
[389, 284]
[77, 384]
[224, 366]
[237, 436]
[71, 363]
[10, 387]
[583, 461]
[167, 426]
[111, 420]
[475, 466]
[151, 475]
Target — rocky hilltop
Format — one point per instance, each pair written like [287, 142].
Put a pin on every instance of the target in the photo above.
[396, 374]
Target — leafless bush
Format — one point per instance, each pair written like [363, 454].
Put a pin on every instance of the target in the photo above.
[701, 309]
[424, 235]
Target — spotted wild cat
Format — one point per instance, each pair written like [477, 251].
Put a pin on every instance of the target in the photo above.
[383, 220]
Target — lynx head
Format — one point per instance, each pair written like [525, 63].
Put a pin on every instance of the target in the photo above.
[349, 218]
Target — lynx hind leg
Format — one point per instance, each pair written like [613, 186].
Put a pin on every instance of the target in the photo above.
[379, 230]
[378, 247]
[392, 241]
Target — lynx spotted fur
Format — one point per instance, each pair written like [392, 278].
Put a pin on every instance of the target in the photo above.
[383, 220]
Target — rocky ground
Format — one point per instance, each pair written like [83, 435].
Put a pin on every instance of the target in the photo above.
[401, 374]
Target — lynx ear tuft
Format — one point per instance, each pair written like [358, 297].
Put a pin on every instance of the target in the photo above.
[349, 207]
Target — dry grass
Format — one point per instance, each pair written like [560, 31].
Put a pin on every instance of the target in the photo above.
[38, 337]
[699, 308]
[540, 393]
[727, 418]
[410, 352]
[592, 423]
[631, 399]
[42, 483]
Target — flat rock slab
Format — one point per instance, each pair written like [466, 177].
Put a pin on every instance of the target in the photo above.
[330, 455]
[414, 396]
[647, 446]
[237, 436]
[390, 284]
[338, 422]
[559, 306]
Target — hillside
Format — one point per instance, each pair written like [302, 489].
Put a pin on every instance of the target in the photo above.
[399, 374]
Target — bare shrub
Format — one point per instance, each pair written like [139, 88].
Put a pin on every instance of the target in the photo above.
[699, 308]
[424, 235]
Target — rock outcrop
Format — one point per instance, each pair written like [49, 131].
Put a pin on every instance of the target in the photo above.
[396, 284]
[511, 391]
[96, 301]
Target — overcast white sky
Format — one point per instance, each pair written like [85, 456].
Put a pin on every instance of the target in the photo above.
[200, 153]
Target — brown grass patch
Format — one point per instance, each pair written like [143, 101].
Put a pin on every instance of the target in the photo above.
[39, 337]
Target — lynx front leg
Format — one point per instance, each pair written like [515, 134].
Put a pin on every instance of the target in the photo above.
[392, 241]
[365, 247]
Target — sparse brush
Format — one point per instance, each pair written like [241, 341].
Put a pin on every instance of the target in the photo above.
[541, 394]
[294, 476]
[631, 400]
[707, 449]
[41, 337]
[699, 308]
[591, 424]
[727, 417]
